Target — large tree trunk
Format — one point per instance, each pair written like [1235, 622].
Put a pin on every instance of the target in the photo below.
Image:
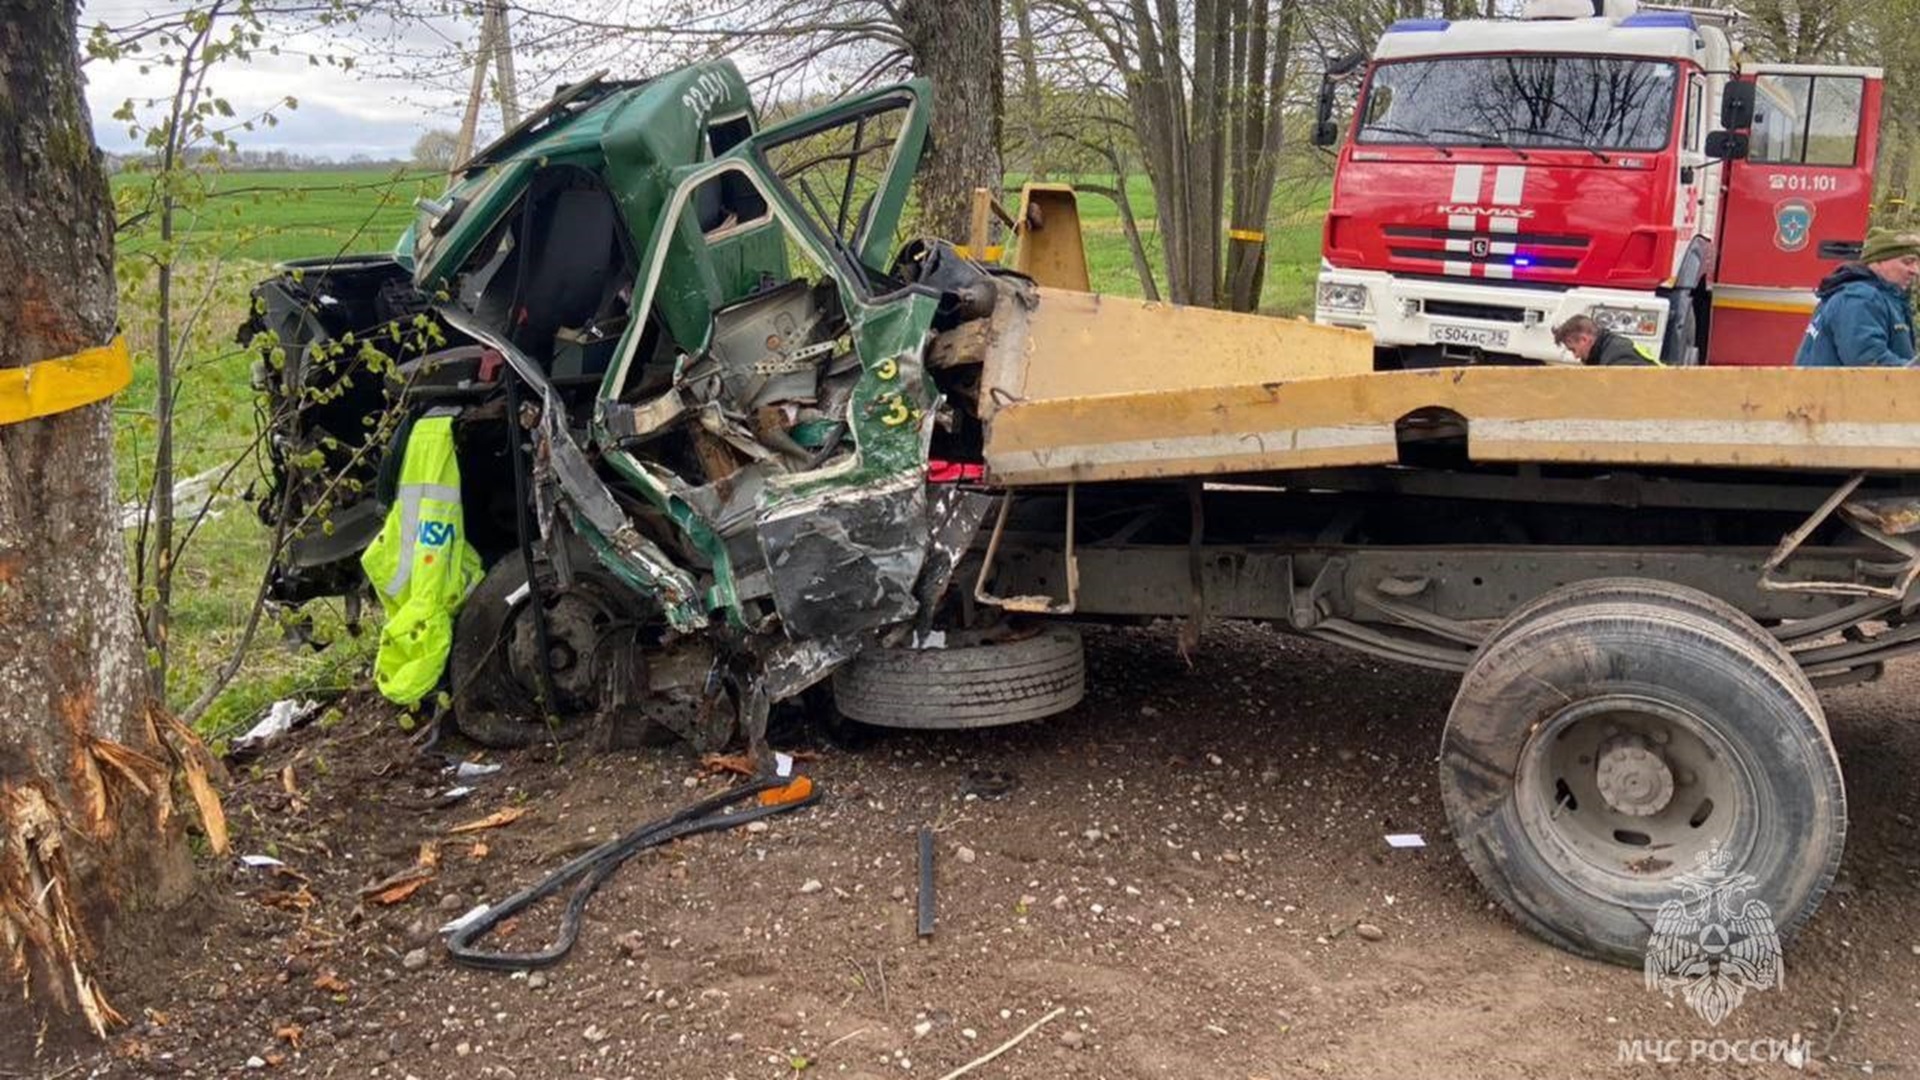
[83, 784]
[957, 46]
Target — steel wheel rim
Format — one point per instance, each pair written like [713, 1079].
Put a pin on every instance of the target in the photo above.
[1615, 834]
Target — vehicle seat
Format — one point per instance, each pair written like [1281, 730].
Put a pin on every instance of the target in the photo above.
[573, 257]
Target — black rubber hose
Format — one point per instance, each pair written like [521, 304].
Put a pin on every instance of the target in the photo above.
[550, 699]
[594, 867]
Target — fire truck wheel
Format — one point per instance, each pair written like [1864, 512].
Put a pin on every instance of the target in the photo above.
[1607, 759]
[1680, 348]
[970, 683]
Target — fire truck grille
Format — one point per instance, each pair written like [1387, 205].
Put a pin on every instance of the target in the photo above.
[1429, 232]
[1457, 309]
[1545, 262]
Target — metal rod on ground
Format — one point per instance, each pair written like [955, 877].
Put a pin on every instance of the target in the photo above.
[926, 882]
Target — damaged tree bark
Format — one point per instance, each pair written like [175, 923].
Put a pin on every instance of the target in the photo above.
[86, 765]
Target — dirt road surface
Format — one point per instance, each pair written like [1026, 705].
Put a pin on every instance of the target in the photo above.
[1181, 870]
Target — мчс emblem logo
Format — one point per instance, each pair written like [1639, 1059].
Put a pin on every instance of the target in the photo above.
[1714, 945]
[1792, 224]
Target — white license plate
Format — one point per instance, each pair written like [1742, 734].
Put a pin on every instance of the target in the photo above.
[1479, 337]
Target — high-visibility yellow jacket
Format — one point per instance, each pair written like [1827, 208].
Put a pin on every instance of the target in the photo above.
[421, 565]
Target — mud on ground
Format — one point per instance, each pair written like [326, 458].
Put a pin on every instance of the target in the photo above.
[1181, 868]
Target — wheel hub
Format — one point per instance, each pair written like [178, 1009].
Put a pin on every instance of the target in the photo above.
[1633, 777]
[576, 621]
[1630, 786]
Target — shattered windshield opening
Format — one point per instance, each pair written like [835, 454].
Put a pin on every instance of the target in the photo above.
[835, 173]
[1602, 102]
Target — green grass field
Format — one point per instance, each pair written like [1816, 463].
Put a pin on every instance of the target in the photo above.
[229, 239]
[293, 215]
[1293, 241]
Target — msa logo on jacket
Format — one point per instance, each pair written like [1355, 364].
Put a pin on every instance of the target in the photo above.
[436, 533]
[1485, 201]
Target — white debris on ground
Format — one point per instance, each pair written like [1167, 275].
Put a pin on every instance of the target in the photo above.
[190, 496]
[282, 716]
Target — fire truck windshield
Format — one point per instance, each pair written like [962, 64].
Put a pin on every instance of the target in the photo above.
[1593, 102]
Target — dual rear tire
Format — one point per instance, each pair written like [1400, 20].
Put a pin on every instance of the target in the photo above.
[1617, 742]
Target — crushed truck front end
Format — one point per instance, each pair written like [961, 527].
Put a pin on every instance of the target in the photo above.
[687, 364]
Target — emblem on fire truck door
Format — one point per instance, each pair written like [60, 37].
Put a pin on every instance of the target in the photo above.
[1792, 224]
[1480, 247]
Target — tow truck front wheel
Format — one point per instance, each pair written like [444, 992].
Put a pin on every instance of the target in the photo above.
[1610, 755]
[968, 680]
[609, 670]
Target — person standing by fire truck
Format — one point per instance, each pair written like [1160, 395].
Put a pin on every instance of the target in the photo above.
[1865, 316]
[1596, 347]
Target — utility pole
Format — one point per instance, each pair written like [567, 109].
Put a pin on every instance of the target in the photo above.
[503, 83]
[495, 47]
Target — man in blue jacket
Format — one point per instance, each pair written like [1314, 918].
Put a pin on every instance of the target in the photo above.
[1865, 318]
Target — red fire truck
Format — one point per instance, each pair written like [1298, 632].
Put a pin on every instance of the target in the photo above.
[1500, 176]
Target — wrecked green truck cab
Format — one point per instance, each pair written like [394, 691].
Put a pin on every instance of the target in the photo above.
[708, 340]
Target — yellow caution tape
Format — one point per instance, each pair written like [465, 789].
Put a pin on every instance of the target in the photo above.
[994, 252]
[1251, 236]
[65, 382]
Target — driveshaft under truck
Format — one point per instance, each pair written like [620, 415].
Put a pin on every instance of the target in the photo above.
[770, 448]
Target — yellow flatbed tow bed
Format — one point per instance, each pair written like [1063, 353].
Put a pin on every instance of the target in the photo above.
[1643, 575]
[1103, 388]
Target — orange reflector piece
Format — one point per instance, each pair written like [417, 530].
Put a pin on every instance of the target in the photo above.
[799, 789]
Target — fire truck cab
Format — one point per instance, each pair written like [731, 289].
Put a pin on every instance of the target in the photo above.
[1591, 157]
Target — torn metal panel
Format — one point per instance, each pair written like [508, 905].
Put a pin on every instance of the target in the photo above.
[591, 500]
[793, 666]
[954, 516]
[846, 559]
[715, 421]
[644, 421]
[769, 348]
[559, 462]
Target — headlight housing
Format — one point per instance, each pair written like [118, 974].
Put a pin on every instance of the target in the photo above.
[1336, 296]
[1639, 322]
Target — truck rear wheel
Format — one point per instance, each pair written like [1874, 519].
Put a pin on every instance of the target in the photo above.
[971, 683]
[1603, 753]
[1655, 592]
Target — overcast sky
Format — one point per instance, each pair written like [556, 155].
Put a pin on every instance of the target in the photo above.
[340, 114]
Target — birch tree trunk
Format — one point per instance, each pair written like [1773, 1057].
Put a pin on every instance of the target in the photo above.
[85, 784]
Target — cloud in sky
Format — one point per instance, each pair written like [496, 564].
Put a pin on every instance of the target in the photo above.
[340, 113]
